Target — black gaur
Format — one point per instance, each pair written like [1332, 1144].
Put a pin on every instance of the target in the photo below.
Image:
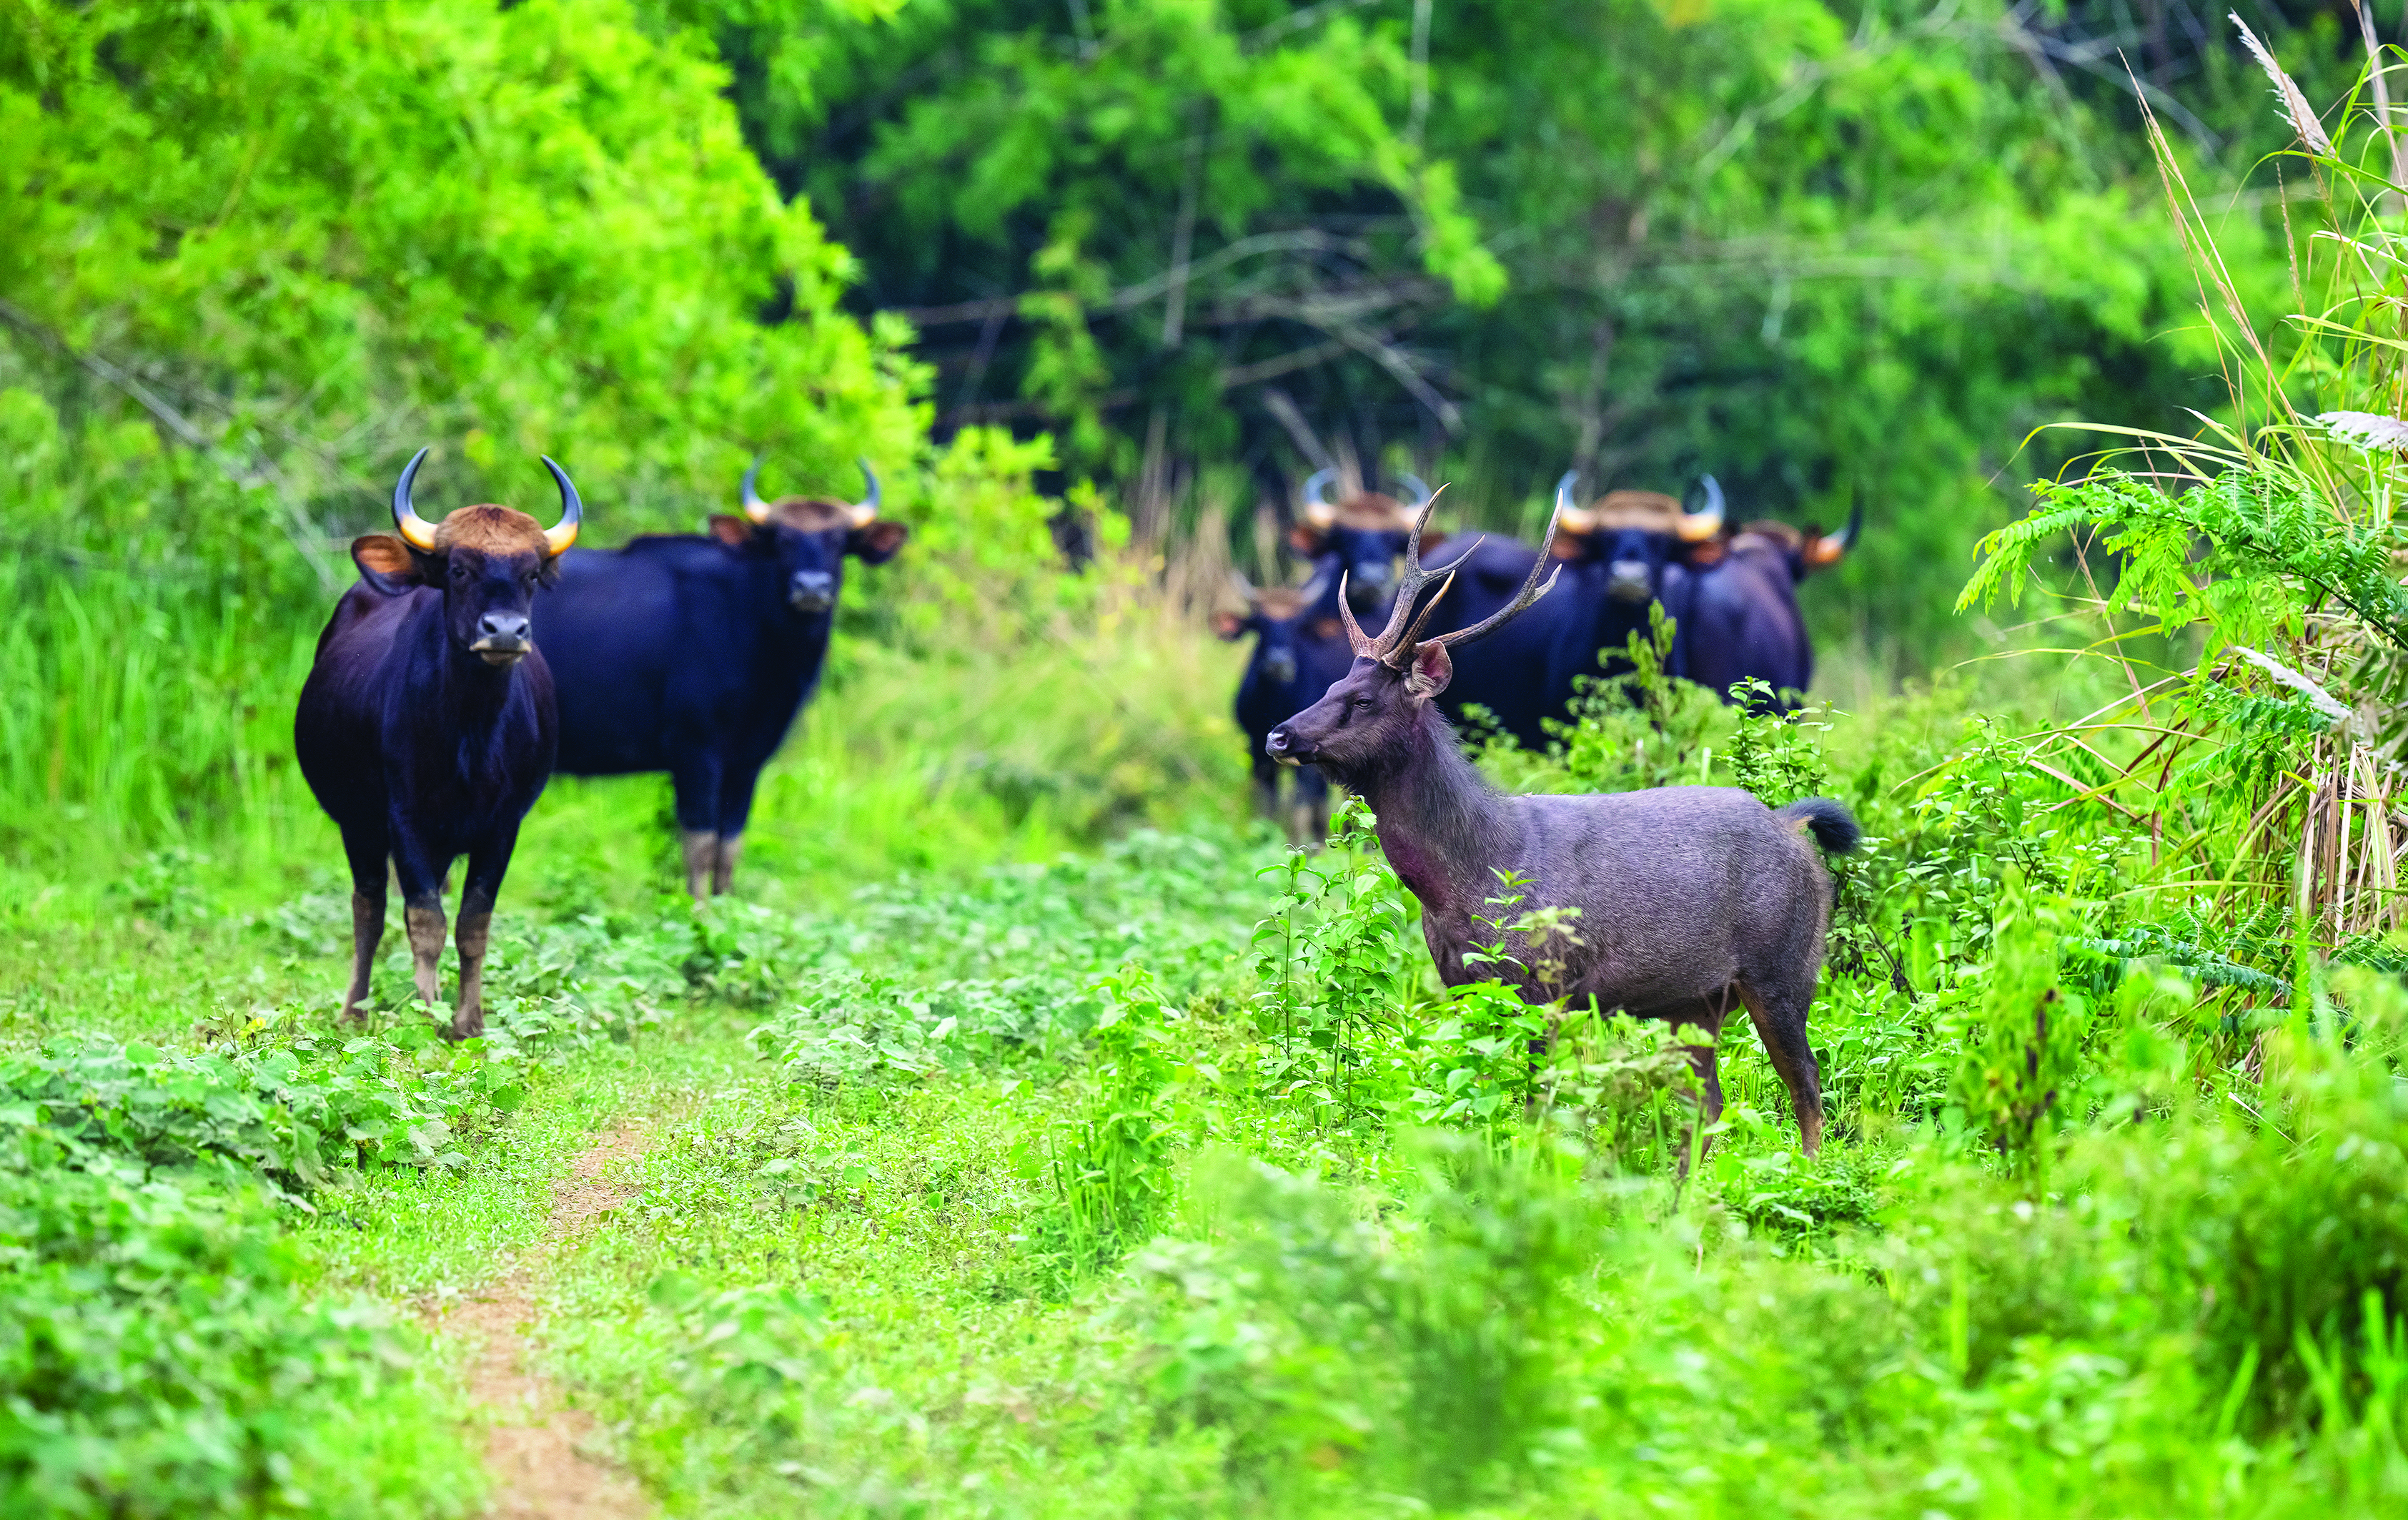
[1299, 647]
[1742, 621]
[1691, 900]
[691, 654]
[426, 728]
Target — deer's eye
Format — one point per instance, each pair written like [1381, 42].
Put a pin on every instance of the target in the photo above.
[1363, 702]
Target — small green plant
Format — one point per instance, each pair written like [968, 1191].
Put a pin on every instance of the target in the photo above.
[1335, 969]
[1107, 1167]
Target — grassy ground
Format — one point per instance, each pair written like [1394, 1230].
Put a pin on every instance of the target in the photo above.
[979, 1176]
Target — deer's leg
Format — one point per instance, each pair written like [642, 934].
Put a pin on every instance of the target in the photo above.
[366, 849]
[1705, 1016]
[1780, 1016]
[487, 863]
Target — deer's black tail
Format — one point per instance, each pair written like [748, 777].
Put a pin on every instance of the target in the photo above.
[1833, 829]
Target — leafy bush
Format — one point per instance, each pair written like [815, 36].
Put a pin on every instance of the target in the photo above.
[157, 1361]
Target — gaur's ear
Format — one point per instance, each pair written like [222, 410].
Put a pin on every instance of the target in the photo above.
[1702, 555]
[1431, 670]
[875, 541]
[1306, 539]
[547, 572]
[1228, 625]
[1822, 552]
[734, 532]
[1328, 627]
[1431, 539]
[386, 563]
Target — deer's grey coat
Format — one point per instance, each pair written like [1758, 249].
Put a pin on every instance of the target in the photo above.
[1693, 899]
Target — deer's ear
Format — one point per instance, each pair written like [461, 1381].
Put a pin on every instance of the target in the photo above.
[1431, 670]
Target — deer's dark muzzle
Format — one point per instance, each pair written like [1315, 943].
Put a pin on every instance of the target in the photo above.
[1285, 747]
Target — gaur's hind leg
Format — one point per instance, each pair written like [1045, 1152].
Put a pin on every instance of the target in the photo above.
[697, 778]
[421, 911]
[1780, 1016]
[734, 811]
[487, 864]
[364, 847]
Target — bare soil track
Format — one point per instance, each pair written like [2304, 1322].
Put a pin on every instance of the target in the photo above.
[538, 1448]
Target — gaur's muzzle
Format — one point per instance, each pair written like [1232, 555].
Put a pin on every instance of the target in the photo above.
[502, 638]
[1627, 581]
[1280, 665]
[1368, 582]
[811, 591]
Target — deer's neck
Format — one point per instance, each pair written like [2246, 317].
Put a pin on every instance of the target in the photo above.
[1441, 825]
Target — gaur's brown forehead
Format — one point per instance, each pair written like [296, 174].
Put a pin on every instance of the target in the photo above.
[1649, 510]
[1782, 534]
[1280, 602]
[495, 531]
[811, 514]
[1374, 512]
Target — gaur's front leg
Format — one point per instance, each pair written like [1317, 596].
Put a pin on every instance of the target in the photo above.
[734, 809]
[421, 877]
[697, 777]
[487, 864]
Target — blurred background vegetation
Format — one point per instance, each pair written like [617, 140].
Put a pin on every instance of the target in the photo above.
[1093, 283]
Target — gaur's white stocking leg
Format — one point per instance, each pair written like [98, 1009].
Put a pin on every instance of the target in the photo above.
[701, 860]
[724, 874]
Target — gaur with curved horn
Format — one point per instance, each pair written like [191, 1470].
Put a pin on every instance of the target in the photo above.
[693, 654]
[428, 725]
[421, 534]
[1745, 623]
[1299, 649]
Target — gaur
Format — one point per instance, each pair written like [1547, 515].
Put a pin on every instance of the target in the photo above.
[691, 654]
[1742, 621]
[1355, 541]
[1617, 555]
[427, 727]
[1299, 647]
[1690, 900]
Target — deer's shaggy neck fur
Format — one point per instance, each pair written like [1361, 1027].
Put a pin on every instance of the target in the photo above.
[1441, 823]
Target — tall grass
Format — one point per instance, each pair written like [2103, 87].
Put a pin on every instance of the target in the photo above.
[141, 713]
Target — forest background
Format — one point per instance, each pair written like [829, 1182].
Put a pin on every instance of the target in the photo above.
[1032, 1134]
[1069, 273]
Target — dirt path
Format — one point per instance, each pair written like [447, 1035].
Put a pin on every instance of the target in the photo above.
[535, 1450]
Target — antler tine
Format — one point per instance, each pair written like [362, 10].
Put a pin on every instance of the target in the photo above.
[1531, 591]
[1410, 587]
[1354, 630]
[1402, 655]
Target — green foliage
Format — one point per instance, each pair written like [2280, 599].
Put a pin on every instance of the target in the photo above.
[157, 1361]
[1336, 971]
[1110, 1163]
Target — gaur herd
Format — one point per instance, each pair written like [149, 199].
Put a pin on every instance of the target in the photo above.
[478, 654]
